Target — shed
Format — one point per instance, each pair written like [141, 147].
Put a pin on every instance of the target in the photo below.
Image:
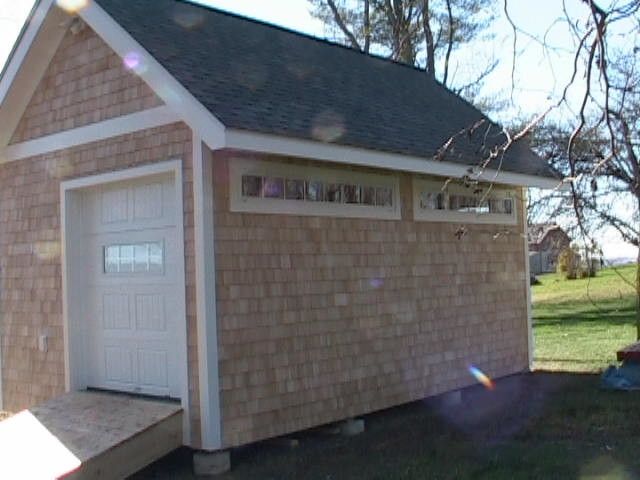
[260, 224]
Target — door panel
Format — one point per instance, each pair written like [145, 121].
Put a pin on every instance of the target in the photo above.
[131, 302]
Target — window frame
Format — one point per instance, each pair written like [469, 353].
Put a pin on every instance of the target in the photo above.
[240, 167]
[423, 185]
[133, 245]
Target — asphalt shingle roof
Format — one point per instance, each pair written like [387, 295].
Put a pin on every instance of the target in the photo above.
[258, 77]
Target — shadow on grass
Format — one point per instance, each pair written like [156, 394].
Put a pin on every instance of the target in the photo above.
[540, 425]
[576, 361]
[613, 313]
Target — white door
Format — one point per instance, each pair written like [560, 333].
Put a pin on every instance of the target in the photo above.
[131, 292]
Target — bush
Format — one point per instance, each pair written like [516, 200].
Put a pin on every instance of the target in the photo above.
[569, 264]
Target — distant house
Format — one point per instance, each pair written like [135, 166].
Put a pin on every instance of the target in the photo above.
[546, 241]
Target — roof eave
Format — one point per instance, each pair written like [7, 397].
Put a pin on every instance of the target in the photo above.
[280, 145]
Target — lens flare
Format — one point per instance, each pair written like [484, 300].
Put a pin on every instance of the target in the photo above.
[328, 126]
[481, 377]
[72, 6]
[132, 60]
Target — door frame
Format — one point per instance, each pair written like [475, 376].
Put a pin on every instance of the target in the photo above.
[72, 277]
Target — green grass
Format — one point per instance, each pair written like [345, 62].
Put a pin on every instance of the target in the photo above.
[580, 324]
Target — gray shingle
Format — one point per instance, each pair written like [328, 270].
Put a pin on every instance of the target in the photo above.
[261, 78]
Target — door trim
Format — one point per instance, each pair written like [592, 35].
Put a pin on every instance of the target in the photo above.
[71, 231]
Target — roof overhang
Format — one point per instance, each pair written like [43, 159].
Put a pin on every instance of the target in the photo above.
[279, 145]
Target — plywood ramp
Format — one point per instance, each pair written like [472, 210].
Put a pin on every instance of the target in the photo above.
[88, 435]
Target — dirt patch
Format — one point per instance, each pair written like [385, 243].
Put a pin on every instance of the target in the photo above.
[4, 415]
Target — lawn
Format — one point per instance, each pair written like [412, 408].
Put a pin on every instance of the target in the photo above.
[579, 324]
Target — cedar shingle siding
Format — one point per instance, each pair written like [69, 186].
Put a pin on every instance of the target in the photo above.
[324, 318]
[85, 83]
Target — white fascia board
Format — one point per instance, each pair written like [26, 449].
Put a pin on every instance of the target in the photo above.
[25, 42]
[152, 118]
[258, 142]
[37, 45]
[170, 90]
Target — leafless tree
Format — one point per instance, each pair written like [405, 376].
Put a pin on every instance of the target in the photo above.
[426, 33]
[598, 152]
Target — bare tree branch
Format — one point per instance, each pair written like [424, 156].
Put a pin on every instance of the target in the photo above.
[338, 19]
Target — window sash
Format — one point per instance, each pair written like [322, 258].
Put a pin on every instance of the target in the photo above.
[272, 187]
[452, 202]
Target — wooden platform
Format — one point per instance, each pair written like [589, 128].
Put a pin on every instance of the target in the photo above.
[88, 435]
[630, 353]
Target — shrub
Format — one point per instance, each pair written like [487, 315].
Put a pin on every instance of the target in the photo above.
[569, 264]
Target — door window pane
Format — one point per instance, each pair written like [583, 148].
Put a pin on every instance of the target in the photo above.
[126, 258]
[156, 260]
[111, 259]
[143, 257]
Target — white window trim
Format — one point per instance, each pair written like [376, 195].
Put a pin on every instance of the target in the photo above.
[244, 166]
[429, 215]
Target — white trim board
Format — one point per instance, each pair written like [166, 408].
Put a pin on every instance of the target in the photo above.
[25, 41]
[258, 142]
[421, 185]
[238, 167]
[527, 282]
[155, 117]
[70, 213]
[207, 330]
[172, 92]
[31, 58]
[1, 336]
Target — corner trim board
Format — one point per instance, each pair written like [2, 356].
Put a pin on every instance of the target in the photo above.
[155, 117]
[207, 338]
[527, 282]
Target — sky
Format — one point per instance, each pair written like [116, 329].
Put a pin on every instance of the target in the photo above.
[540, 74]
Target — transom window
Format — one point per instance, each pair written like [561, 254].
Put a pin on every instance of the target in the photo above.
[315, 191]
[437, 200]
[270, 187]
[143, 257]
